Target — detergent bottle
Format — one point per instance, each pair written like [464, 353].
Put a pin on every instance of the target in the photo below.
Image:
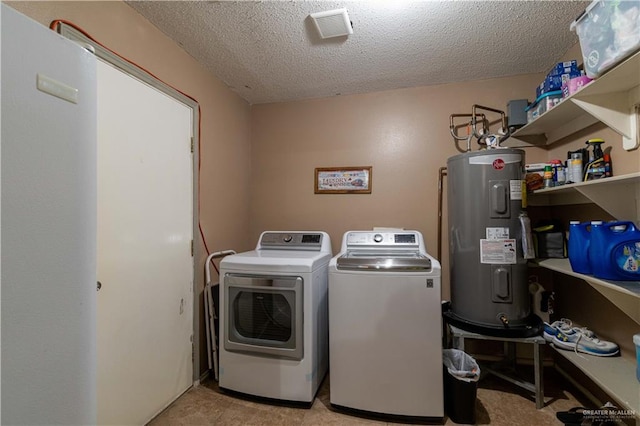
[614, 251]
[578, 246]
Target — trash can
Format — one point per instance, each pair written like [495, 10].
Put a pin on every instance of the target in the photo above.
[461, 375]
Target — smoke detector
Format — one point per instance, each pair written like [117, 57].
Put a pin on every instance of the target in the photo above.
[332, 23]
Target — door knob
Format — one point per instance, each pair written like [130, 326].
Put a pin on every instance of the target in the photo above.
[99, 286]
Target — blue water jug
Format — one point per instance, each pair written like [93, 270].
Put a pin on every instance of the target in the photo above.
[578, 246]
[614, 251]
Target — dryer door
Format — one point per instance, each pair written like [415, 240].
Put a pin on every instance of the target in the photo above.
[264, 315]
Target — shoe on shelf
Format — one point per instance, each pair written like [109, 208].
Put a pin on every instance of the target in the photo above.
[573, 417]
[585, 341]
[551, 330]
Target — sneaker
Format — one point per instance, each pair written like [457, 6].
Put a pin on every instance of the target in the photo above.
[552, 330]
[585, 341]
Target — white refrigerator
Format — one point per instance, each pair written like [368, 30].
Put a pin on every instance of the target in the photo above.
[48, 232]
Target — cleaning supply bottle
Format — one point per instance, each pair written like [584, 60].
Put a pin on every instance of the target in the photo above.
[608, 165]
[593, 252]
[596, 149]
[574, 164]
[614, 251]
[548, 176]
[540, 299]
[559, 177]
[578, 246]
[595, 168]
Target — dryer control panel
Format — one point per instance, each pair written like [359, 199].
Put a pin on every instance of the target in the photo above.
[291, 240]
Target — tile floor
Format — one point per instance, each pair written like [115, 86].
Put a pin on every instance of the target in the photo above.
[498, 403]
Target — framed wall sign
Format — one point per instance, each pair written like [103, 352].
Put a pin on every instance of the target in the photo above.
[343, 180]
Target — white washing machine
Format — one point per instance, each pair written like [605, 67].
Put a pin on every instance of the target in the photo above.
[385, 325]
[273, 317]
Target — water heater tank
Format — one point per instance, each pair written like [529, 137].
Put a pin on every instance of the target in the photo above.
[488, 280]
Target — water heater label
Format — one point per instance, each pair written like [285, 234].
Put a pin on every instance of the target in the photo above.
[497, 233]
[498, 252]
[515, 189]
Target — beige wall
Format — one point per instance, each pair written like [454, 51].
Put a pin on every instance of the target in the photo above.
[225, 150]
[403, 134]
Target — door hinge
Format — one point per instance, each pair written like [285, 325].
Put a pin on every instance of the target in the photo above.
[192, 144]
[191, 248]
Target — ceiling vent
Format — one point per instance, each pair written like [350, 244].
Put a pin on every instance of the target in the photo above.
[332, 23]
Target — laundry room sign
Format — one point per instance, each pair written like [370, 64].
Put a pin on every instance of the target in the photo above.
[343, 180]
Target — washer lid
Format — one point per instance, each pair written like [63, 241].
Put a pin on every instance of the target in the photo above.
[380, 261]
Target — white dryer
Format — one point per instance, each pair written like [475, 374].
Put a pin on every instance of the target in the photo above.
[273, 317]
[385, 325]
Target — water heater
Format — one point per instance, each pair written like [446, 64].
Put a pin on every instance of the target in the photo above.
[489, 286]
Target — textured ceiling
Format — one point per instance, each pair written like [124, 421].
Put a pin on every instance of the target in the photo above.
[269, 51]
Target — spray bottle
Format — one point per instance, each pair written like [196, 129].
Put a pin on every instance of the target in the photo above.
[596, 152]
[595, 167]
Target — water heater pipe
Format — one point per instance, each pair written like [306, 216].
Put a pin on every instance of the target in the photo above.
[442, 171]
[504, 130]
[471, 126]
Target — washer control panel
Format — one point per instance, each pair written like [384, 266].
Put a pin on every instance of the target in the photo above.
[383, 238]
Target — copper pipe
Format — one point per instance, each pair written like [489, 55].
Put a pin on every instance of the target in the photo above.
[503, 117]
[452, 129]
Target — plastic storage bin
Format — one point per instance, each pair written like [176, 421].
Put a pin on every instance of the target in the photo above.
[461, 375]
[549, 240]
[543, 104]
[609, 31]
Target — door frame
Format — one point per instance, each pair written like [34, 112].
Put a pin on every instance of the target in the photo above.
[144, 76]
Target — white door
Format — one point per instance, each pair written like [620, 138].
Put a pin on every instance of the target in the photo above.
[145, 266]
